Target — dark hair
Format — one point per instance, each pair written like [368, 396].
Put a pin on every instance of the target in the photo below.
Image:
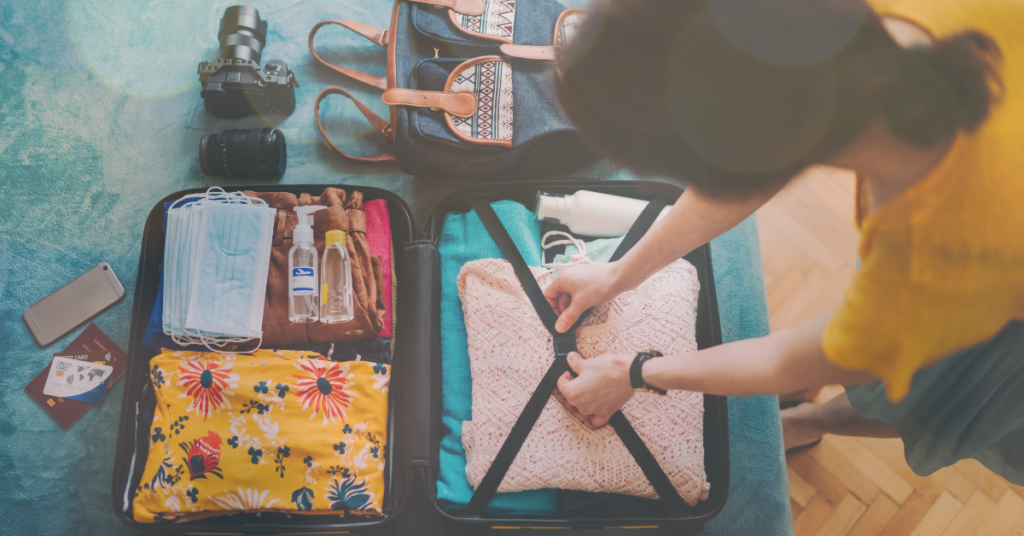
[665, 87]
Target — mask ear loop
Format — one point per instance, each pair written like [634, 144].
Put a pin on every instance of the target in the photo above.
[197, 337]
[220, 343]
[581, 247]
[217, 193]
[194, 199]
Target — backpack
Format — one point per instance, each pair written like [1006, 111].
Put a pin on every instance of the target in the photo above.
[470, 85]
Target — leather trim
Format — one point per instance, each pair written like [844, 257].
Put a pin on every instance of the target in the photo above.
[556, 38]
[368, 32]
[561, 18]
[472, 8]
[461, 104]
[392, 78]
[452, 14]
[373, 34]
[374, 119]
[528, 52]
[448, 87]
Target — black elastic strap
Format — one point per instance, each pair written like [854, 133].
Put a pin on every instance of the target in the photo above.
[636, 446]
[519, 266]
[564, 343]
[640, 227]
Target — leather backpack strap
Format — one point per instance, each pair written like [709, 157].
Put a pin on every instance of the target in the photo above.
[379, 37]
[563, 343]
[459, 104]
[530, 52]
[381, 125]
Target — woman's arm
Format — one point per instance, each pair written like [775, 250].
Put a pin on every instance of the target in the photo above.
[695, 219]
[785, 361]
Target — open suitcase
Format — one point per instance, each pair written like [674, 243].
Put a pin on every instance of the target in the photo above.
[414, 411]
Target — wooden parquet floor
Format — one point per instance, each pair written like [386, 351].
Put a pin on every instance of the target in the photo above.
[860, 486]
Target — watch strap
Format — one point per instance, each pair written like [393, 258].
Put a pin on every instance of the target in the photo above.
[636, 378]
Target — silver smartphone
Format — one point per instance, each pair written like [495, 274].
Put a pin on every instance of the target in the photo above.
[69, 306]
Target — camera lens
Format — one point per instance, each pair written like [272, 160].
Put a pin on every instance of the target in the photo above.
[242, 34]
[257, 153]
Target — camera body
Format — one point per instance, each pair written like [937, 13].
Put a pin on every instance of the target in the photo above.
[234, 85]
[235, 88]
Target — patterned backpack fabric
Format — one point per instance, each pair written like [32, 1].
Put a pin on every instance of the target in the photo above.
[470, 84]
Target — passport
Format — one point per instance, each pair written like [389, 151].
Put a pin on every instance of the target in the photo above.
[92, 340]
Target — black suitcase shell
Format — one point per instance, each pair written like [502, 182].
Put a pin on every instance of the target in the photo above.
[414, 410]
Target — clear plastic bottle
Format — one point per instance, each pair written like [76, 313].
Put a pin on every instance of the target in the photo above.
[336, 270]
[302, 268]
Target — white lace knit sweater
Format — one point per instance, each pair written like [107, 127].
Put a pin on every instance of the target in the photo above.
[510, 350]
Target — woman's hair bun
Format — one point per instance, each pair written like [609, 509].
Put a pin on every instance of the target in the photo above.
[938, 90]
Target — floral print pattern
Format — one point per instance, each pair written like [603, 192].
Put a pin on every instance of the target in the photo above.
[348, 494]
[207, 383]
[256, 448]
[202, 455]
[324, 388]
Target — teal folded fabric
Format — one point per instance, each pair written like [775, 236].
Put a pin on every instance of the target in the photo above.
[464, 239]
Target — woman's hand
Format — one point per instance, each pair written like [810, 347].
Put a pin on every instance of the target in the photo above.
[601, 388]
[694, 219]
[578, 288]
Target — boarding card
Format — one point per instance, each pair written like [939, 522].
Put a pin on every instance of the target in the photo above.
[91, 342]
[78, 380]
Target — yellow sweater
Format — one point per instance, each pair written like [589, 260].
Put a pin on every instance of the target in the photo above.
[943, 263]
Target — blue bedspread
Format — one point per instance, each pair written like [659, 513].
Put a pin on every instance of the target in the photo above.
[101, 118]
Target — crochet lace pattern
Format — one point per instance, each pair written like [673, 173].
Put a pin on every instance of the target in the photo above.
[510, 350]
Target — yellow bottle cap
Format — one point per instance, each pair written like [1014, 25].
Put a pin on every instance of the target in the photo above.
[335, 237]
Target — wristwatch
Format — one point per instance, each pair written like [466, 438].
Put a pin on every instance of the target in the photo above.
[636, 378]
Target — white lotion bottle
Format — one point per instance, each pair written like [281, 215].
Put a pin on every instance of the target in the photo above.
[591, 213]
[303, 282]
[336, 295]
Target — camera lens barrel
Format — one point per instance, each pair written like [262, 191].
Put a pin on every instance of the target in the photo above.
[256, 153]
[242, 34]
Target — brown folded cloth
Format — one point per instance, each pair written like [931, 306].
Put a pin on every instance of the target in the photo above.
[344, 212]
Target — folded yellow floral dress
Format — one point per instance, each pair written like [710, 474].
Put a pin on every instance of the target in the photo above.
[275, 431]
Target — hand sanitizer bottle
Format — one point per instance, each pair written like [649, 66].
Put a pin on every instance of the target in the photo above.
[336, 295]
[302, 267]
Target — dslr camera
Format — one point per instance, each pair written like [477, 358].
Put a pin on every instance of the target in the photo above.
[234, 86]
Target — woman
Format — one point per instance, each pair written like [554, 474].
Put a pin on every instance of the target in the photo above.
[924, 100]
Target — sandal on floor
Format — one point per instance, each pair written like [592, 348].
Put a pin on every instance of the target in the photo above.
[804, 447]
[790, 404]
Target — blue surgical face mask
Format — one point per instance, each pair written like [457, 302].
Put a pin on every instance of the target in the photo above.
[230, 281]
[217, 255]
[181, 242]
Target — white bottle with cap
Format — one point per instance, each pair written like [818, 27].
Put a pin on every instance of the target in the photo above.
[303, 283]
[591, 213]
